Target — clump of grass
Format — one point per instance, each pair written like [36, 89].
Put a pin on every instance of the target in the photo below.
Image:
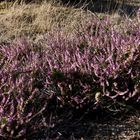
[32, 19]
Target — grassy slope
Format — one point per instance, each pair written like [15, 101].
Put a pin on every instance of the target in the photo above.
[35, 19]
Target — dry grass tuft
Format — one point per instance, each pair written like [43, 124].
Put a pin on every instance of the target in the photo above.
[35, 19]
[32, 19]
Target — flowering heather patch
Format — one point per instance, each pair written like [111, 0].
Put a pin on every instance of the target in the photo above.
[76, 71]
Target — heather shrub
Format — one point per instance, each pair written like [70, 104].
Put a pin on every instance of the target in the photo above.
[23, 98]
[105, 58]
[96, 66]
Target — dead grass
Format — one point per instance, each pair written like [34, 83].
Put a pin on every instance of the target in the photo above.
[32, 19]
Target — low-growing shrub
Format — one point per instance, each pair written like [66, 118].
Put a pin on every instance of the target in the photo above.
[81, 71]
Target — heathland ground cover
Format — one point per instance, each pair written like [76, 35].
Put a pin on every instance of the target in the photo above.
[68, 73]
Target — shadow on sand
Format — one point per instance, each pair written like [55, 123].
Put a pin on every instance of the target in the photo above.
[111, 6]
[107, 6]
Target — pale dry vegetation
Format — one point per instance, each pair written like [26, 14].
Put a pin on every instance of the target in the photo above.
[32, 19]
[35, 19]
